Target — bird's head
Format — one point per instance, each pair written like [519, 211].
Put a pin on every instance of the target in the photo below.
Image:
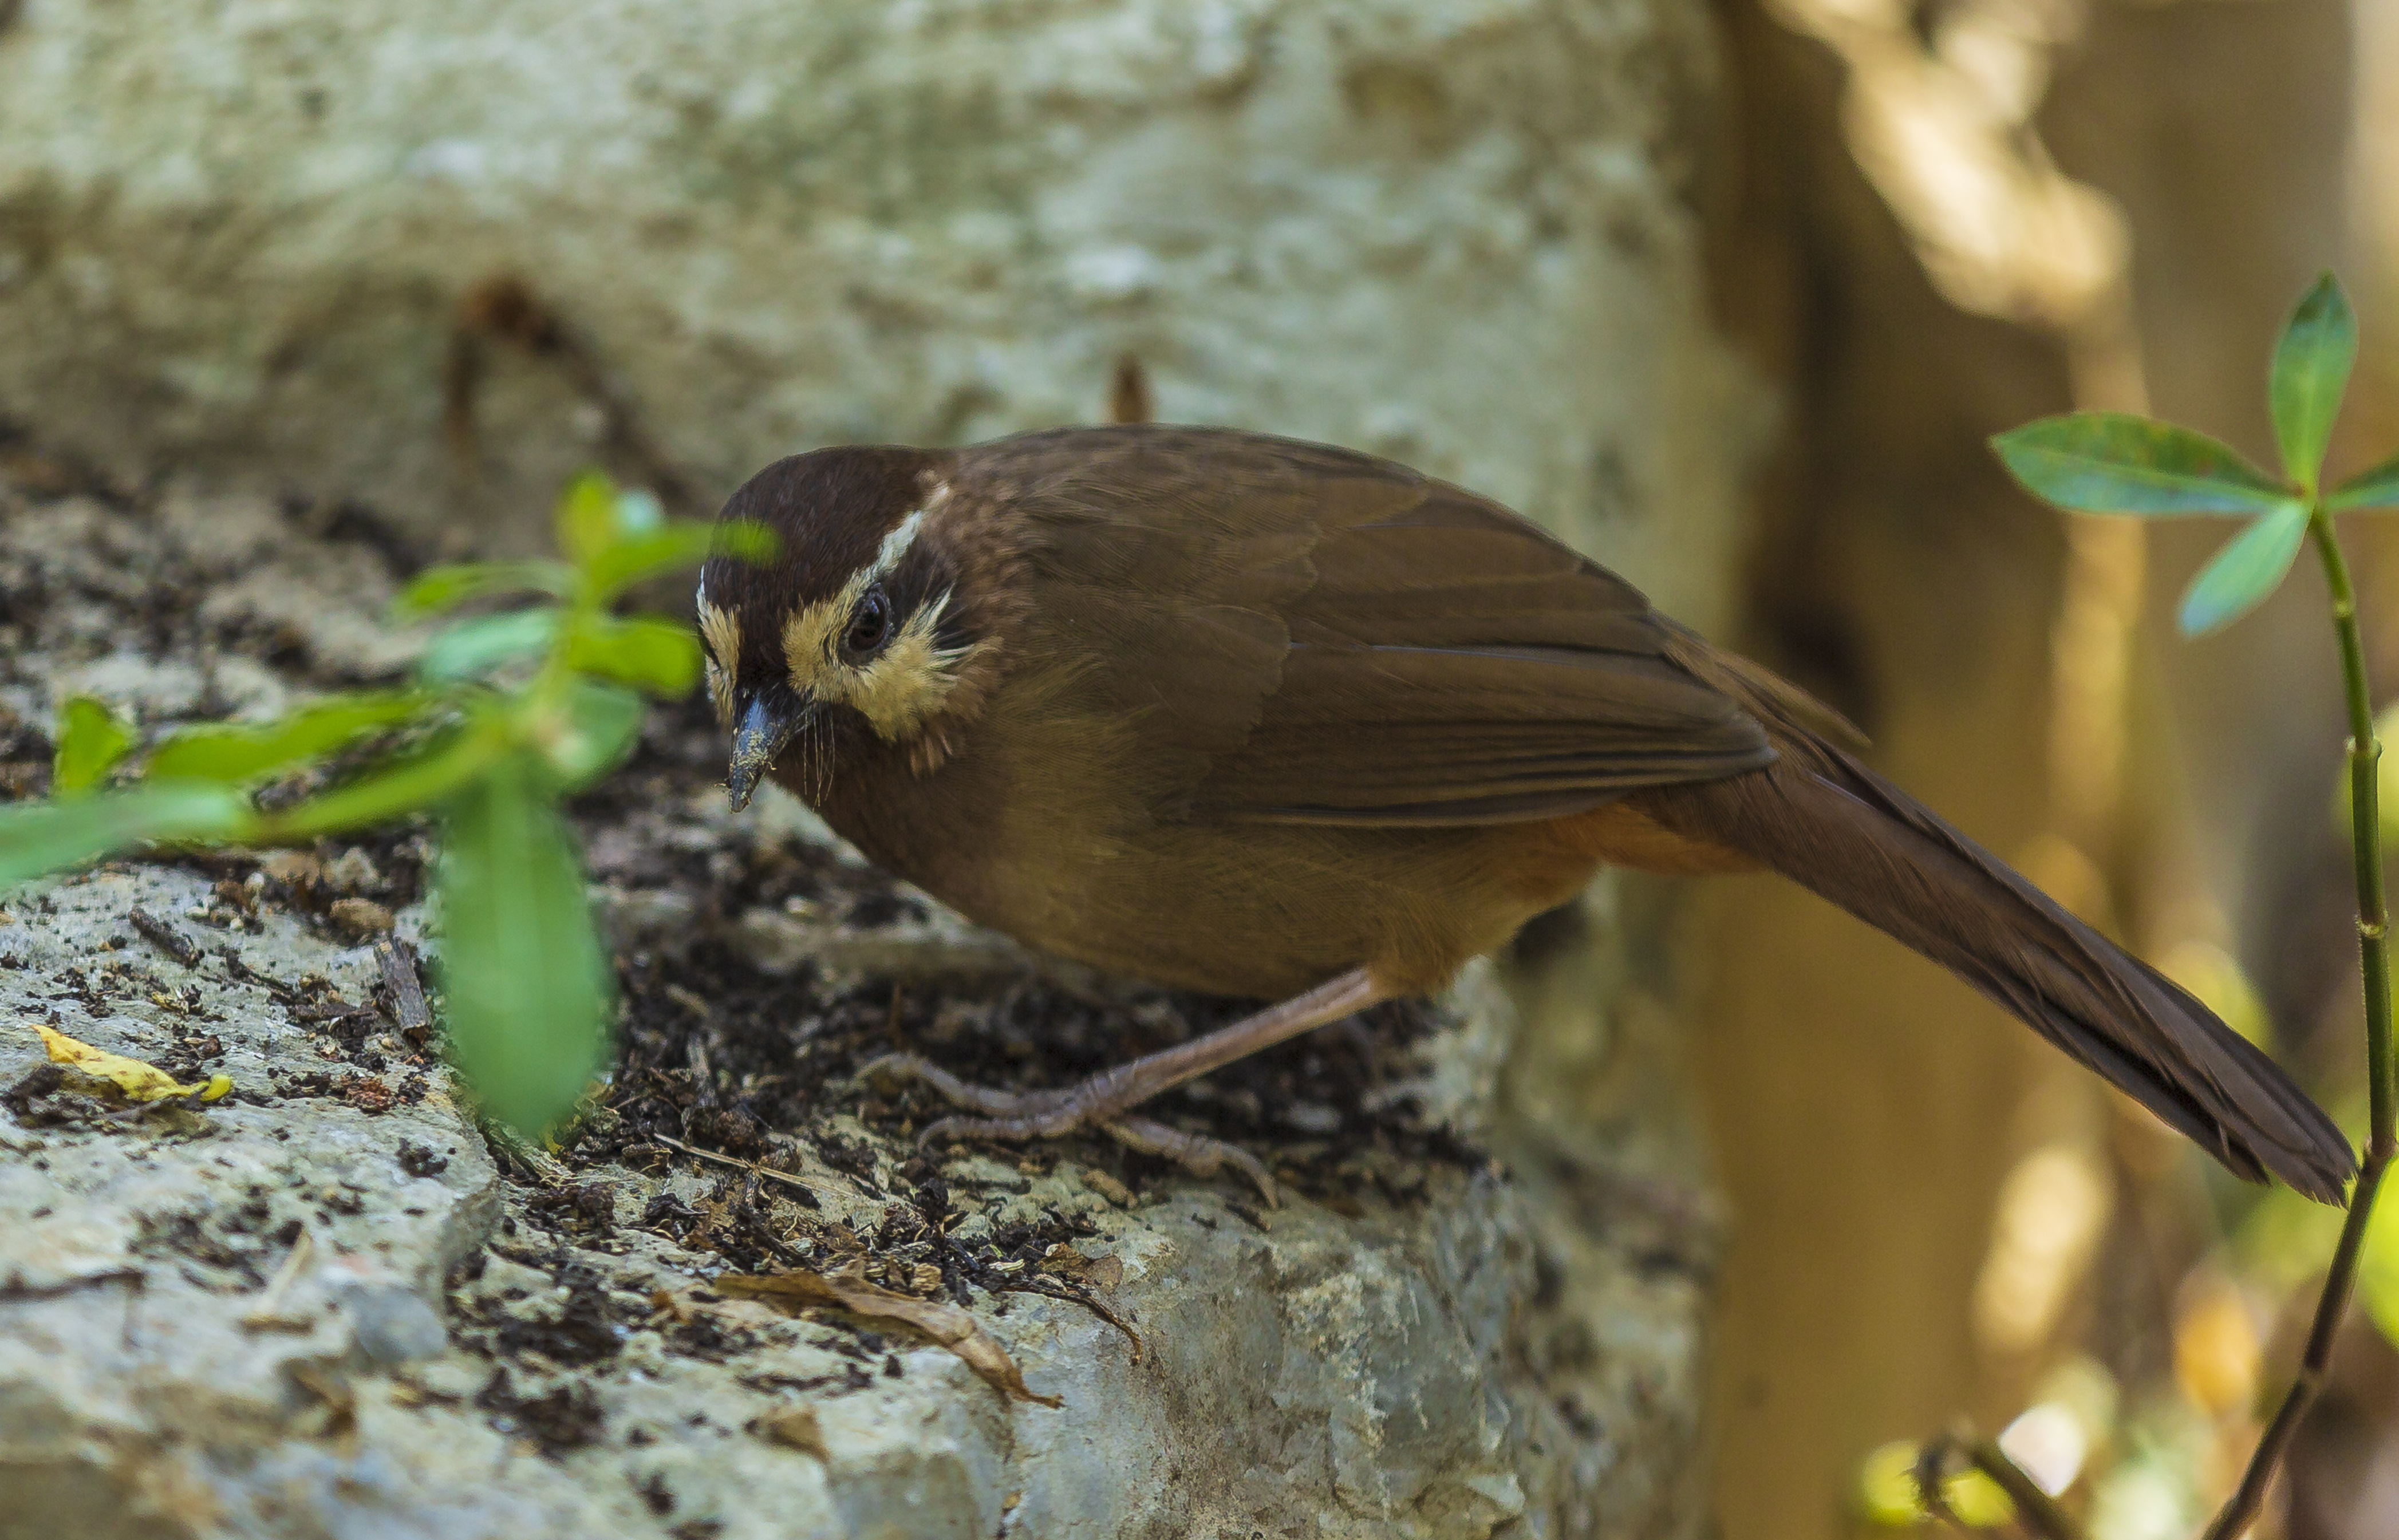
[855, 624]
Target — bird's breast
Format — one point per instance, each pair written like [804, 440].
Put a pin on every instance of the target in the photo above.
[1070, 841]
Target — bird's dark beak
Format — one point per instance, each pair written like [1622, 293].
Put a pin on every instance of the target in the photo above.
[759, 741]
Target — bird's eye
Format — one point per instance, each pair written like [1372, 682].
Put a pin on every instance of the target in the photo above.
[870, 627]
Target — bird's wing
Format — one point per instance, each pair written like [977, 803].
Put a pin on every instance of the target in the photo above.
[1327, 638]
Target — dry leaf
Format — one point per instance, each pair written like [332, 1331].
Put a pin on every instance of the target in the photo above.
[794, 1427]
[1063, 1261]
[946, 1324]
[140, 1082]
[295, 867]
[361, 917]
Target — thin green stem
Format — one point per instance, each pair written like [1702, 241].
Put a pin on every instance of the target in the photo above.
[2373, 911]
[2373, 928]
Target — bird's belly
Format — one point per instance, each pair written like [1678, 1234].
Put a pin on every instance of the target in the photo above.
[1065, 852]
[1271, 910]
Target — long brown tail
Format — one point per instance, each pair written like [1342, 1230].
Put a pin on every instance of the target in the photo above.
[1830, 824]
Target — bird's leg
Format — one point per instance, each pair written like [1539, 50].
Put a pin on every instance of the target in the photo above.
[1101, 1100]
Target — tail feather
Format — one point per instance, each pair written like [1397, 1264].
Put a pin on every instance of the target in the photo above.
[1826, 821]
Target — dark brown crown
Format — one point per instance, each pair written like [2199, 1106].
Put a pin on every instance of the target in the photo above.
[829, 510]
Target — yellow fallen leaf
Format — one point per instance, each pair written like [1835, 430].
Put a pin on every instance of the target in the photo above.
[140, 1082]
[846, 1287]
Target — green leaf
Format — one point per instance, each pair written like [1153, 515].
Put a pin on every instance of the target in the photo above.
[230, 755]
[2377, 488]
[2244, 572]
[524, 981]
[416, 784]
[661, 657]
[91, 738]
[587, 518]
[677, 545]
[43, 836]
[639, 511]
[2114, 462]
[2311, 363]
[437, 589]
[604, 723]
[475, 647]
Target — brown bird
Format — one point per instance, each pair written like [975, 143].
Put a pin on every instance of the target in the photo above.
[1258, 717]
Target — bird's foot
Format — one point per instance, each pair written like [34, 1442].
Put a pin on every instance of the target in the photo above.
[1106, 1100]
[1014, 1116]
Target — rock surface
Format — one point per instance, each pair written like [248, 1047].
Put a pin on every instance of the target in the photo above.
[321, 1307]
[437, 254]
[1389, 1372]
[396, 271]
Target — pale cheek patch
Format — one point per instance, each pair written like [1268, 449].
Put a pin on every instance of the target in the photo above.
[910, 680]
[722, 632]
[898, 691]
[808, 638]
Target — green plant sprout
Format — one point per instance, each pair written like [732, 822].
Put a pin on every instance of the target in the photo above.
[507, 713]
[2117, 463]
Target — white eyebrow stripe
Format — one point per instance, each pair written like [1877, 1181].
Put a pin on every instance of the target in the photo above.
[895, 546]
[813, 630]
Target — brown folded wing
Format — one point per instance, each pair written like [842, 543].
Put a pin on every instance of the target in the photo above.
[1333, 639]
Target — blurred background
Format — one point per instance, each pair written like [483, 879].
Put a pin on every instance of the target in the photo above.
[1731, 295]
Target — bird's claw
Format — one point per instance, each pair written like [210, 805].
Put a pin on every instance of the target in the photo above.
[1014, 1116]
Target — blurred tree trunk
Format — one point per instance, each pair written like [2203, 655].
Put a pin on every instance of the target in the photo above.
[1869, 1107]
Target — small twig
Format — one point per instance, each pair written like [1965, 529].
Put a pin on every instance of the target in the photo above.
[703, 1074]
[974, 1270]
[166, 937]
[268, 1315]
[1072, 1294]
[396, 960]
[544, 1167]
[1932, 1471]
[1130, 398]
[2041, 1513]
[15, 1288]
[791, 1179]
[243, 973]
[506, 309]
[2266, 1462]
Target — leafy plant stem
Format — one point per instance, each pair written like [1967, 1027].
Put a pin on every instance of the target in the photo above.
[2373, 910]
[2373, 928]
